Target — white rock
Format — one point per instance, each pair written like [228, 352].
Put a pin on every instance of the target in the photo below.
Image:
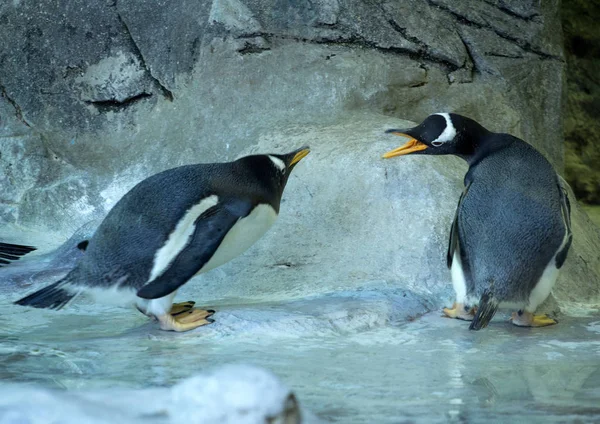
[234, 394]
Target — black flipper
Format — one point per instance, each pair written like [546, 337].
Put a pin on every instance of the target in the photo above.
[13, 252]
[488, 305]
[453, 239]
[565, 207]
[211, 228]
[55, 296]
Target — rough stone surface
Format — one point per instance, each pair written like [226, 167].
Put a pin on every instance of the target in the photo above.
[579, 285]
[113, 80]
[201, 76]
[582, 127]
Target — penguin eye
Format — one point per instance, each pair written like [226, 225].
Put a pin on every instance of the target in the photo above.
[437, 143]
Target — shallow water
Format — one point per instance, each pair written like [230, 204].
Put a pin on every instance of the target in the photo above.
[342, 357]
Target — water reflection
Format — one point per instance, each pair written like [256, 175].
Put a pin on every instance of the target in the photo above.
[429, 370]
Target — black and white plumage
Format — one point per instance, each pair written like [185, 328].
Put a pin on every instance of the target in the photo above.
[172, 226]
[511, 232]
[13, 252]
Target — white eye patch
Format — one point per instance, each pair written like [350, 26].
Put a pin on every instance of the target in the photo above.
[448, 134]
[278, 163]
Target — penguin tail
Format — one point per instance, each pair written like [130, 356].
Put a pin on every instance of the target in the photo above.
[54, 296]
[12, 252]
[488, 305]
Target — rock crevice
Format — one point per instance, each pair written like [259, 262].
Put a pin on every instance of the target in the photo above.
[138, 53]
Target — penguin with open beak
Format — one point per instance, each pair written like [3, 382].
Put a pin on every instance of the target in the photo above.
[170, 227]
[13, 252]
[512, 228]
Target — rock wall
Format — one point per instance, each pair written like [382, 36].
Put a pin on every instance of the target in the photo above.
[97, 96]
[582, 127]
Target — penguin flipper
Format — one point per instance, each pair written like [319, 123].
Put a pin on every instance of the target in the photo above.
[565, 206]
[453, 239]
[211, 228]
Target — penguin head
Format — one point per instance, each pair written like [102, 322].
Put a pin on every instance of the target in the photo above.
[439, 134]
[273, 170]
[281, 165]
[291, 159]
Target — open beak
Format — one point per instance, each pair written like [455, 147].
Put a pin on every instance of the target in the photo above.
[411, 146]
[300, 154]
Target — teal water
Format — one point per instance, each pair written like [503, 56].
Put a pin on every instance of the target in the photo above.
[352, 367]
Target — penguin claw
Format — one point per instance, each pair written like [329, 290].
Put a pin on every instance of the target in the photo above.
[185, 321]
[527, 319]
[193, 316]
[459, 311]
[179, 308]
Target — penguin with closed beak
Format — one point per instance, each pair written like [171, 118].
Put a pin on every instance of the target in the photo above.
[512, 228]
[170, 227]
[13, 252]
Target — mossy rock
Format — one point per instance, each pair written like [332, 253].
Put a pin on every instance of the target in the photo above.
[582, 127]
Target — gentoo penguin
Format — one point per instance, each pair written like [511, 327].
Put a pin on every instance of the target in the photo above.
[172, 226]
[13, 252]
[512, 227]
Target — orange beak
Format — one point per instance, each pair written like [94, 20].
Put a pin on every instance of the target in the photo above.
[411, 146]
[300, 155]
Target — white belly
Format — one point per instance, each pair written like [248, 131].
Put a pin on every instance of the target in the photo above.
[543, 287]
[458, 278]
[242, 235]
